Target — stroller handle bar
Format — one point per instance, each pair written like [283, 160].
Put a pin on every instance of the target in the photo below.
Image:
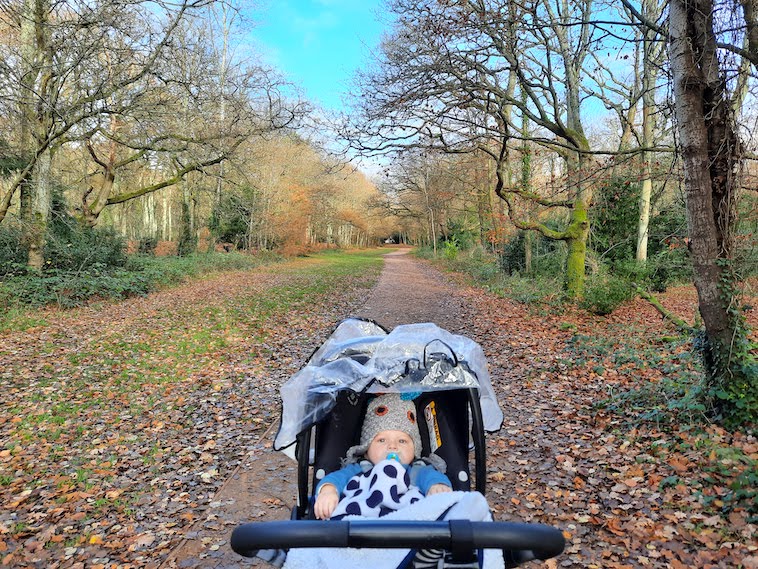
[542, 541]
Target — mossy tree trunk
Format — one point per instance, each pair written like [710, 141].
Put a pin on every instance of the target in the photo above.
[576, 239]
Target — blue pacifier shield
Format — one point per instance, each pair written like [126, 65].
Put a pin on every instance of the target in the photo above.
[393, 456]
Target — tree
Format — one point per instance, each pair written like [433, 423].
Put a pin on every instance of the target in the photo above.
[282, 193]
[132, 81]
[66, 65]
[183, 121]
[459, 76]
[702, 69]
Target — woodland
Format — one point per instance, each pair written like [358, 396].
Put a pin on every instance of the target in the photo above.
[567, 154]
[616, 139]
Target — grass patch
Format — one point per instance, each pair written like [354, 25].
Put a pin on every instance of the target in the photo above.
[164, 271]
[126, 374]
[139, 398]
[17, 319]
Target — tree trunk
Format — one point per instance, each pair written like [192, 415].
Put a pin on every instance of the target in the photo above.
[710, 151]
[690, 86]
[187, 238]
[648, 110]
[101, 185]
[577, 233]
[578, 230]
[149, 223]
[36, 117]
[526, 180]
[528, 243]
[41, 201]
[644, 219]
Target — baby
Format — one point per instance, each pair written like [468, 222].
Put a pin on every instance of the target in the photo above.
[382, 472]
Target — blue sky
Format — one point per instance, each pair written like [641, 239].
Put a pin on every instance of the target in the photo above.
[318, 44]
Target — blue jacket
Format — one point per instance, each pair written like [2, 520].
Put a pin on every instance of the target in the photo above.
[422, 475]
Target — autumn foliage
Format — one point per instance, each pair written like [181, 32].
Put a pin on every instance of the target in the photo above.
[122, 422]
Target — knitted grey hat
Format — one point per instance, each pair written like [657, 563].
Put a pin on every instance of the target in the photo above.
[388, 412]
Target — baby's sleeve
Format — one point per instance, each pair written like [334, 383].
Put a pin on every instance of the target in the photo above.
[428, 476]
[339, 478]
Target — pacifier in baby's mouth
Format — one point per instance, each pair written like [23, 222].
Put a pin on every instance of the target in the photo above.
[393, 456]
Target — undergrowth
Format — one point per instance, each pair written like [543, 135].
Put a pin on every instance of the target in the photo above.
[539, 288]
[662, 382]
[662, 385]
[140, 274]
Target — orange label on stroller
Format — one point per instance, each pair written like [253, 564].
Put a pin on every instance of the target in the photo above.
[430, 413]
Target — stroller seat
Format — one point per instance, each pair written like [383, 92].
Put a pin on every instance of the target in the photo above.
[323, 409]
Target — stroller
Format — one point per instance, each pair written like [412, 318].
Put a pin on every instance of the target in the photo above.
[323, 409]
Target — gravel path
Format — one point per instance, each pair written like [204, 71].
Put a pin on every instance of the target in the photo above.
[264, 486]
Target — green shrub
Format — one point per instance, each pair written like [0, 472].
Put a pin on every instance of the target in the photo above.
[615, 219]
[538, 289]
[669, 267]
[424, 252]
[548, 255]
[13, 256]
[451, 249]
[230, 219]
[72, 246]
[604, 293]
[459, 232]
[68, 289]
[141, 274]
[665, 269]
[481, 265]
[512, 255]
[615, 215]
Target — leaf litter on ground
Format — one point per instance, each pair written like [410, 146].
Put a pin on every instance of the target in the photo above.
[120, 423]
[628, 491]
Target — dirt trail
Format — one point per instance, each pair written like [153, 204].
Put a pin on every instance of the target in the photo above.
[264, 486]
[410, 291]
[557, 459]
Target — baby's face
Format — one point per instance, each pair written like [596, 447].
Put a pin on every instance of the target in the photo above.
[386, 442]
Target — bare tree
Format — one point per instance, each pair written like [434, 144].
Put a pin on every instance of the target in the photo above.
[110, 75]
[182, 121]
[453, 75]
[70, 61]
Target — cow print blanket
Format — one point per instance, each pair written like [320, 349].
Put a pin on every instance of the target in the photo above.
[377, 492]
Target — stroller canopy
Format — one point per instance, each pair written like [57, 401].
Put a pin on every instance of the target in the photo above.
[362, 356]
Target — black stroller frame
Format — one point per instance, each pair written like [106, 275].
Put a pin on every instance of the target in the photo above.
[450, 424]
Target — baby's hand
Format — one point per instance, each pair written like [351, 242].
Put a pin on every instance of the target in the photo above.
[438, 488]
[326, 501]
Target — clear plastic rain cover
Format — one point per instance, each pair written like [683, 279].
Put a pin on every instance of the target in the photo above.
[361, 355]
